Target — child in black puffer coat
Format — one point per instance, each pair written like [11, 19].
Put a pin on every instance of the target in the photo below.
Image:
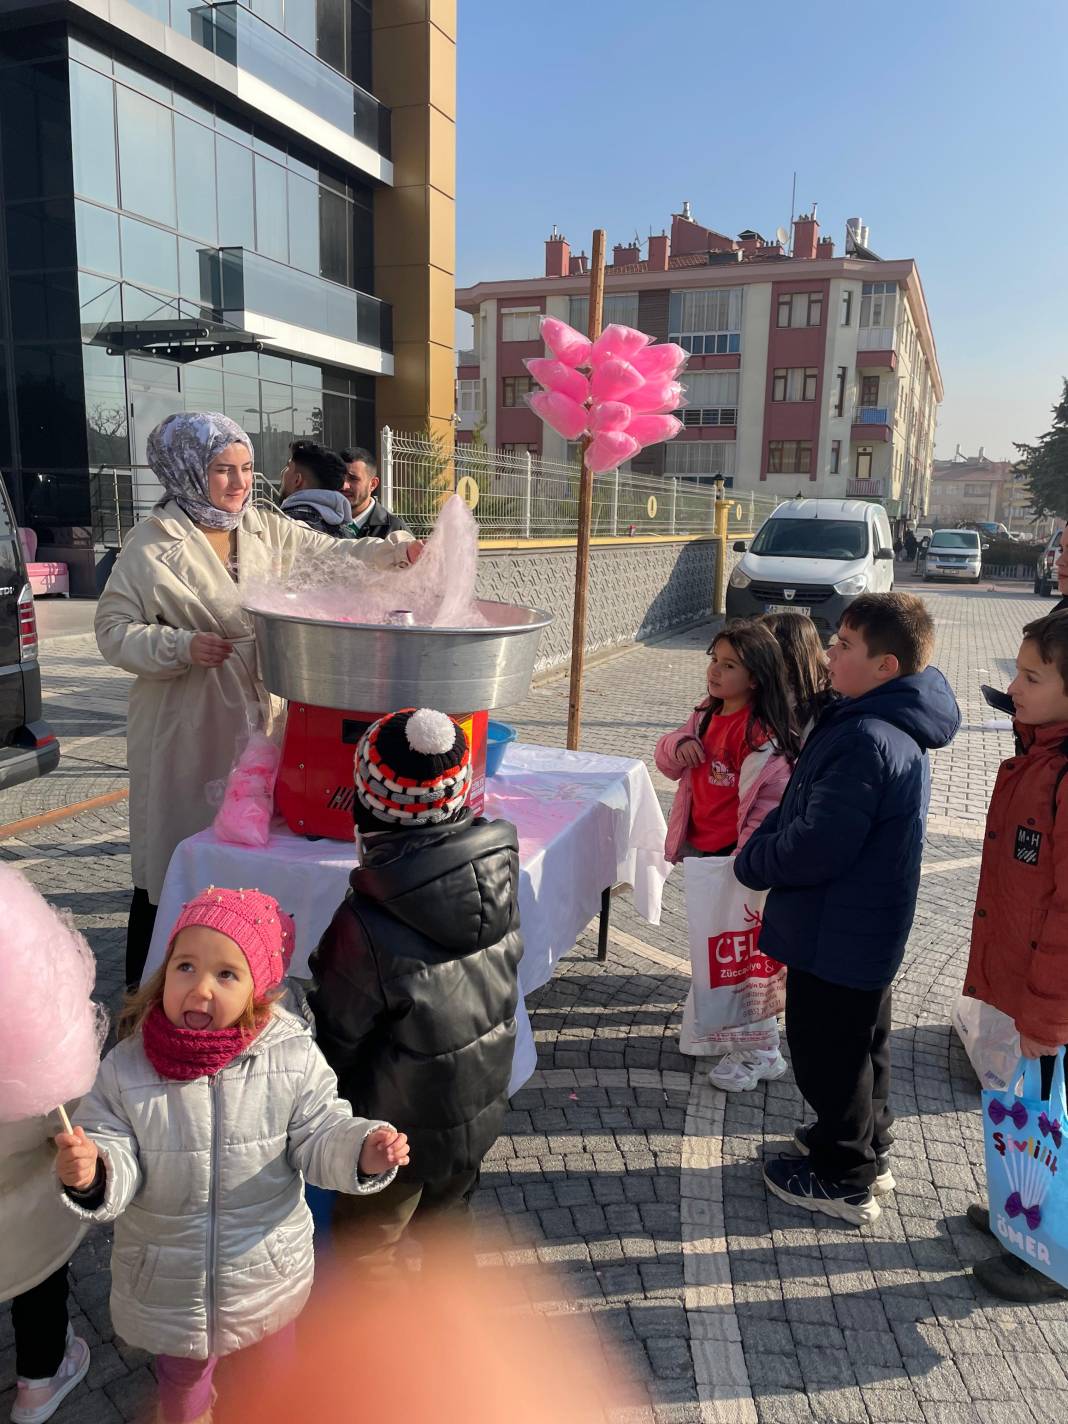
[416, 979]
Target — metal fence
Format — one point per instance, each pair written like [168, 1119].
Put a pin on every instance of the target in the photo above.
[517, 495]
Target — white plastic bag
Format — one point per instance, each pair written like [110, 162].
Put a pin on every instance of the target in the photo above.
[734, 985]
[990, 1040]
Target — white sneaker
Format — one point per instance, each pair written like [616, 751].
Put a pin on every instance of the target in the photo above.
[742, 1070]
[38, 1399]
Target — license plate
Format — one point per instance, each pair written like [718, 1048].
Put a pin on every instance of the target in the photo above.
[786, 608]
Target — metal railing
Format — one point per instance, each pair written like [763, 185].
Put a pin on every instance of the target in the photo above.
[871, 415]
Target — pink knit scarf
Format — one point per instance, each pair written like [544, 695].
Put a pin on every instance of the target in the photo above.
[186, 1053]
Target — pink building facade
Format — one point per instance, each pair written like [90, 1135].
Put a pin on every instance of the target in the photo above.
[809, 373]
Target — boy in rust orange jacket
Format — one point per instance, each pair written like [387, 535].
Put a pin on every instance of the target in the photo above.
[1019, 956]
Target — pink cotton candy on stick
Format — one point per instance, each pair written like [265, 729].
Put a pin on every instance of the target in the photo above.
[52, 1031]
[662, 362]
[562, 414]
[608, 451]
[614, 380]
[610, 415]
[623, 342]
[244, 818]
[656, 396]
[555, 376]
[566, 344]
[651, 429]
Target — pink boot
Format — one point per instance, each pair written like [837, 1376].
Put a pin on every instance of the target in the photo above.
[38, 1399]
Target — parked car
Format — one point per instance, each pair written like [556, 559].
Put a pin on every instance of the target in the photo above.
[954, 553]
[1045, 576]
[28, 746]
[813, 556]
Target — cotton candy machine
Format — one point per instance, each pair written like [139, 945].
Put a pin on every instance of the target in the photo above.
[340, 677]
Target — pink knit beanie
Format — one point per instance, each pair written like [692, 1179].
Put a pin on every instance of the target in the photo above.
[264, 933]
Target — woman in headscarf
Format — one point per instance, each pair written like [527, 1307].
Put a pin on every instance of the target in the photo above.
[171, 616]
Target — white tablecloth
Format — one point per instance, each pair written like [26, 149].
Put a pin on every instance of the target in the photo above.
[585, 822]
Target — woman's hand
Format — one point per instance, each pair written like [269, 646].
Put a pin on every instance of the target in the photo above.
[383, 1150]
[1031, 1048]
[689, 752]
[209, 650]
[76, 1159]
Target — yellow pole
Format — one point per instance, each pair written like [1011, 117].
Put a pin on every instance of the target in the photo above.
[719, 534]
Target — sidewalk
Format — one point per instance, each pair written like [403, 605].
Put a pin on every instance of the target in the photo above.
[641, 1186]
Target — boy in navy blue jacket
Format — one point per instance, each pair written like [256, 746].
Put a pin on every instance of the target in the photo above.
[841, 857]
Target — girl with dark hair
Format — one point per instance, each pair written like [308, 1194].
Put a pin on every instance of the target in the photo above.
[732, 760]
[807, 669]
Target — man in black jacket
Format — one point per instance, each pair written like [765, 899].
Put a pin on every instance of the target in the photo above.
[311, 489]
[416, 979]
[370, 517]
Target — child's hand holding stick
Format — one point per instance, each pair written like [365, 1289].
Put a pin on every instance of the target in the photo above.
[77, 1158]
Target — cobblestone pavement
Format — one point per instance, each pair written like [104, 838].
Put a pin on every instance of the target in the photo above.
[639, 1184]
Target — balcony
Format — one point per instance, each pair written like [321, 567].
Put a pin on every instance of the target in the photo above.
[307, 315]
[871, 422]
[864, 489]
[242, 39]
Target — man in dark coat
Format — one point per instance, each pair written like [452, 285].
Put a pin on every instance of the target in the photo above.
[370, 517]
[841, 856]
[311, 489]
[416, 979]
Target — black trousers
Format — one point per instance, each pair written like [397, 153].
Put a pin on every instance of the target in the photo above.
[39, 1317]
[840, 1049]
[139, 929]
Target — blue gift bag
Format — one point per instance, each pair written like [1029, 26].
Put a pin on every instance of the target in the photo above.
[1027, 1191]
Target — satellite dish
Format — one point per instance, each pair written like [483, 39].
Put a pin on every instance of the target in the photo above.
[782, 235]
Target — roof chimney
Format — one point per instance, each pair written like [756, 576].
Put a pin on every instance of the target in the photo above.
[825, 247]
[579, 265]
[557, 255]
[687, 212]
[659, 252]
[981, 449]
[806, 235]
[625, 254]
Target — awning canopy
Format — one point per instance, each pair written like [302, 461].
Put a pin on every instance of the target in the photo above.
[176, 338]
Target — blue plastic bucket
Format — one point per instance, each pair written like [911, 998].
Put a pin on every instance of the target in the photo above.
[498, 735]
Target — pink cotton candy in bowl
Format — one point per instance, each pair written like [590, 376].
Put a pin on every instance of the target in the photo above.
[609, 450]
[52, 1031]
[566, 344]
[661, 362]
[651, 429]
[623, 342]
[609, 415]
[560, 413]
[555, 376]
[657, 396]
[614, 380]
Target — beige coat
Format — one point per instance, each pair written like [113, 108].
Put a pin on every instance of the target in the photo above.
[37, 1232]
[185, 721]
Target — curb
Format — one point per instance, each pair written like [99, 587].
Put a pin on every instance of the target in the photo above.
[61, 813]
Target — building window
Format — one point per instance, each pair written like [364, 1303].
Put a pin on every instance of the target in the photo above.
[840, 390]
[800, 309]
[520, 450]
[976, 491]
[847, 308]
[863, 469]
[708, 322]
[712, 398]
[694, 459]
[620, 307]
[789, 457]
[877, 303]
[514, 389]
[836, 456]
[869, 390]
[520, 325]
[468, 397]
[794, 383]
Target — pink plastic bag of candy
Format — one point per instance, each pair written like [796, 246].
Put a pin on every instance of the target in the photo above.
[244, 816]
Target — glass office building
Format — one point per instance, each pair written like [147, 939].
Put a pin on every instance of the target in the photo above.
[188, 201]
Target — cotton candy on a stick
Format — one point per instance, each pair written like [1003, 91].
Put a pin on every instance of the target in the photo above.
[52, 1030]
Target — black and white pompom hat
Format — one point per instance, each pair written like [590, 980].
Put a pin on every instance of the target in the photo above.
[413, 767]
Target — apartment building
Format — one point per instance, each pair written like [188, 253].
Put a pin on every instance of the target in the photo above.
[218, 207]
[967, 489]
[808, 373]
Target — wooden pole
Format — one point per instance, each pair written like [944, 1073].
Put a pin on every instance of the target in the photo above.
[585, 512]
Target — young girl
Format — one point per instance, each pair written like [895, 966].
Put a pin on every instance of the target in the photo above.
[202, 1126]
[806, 666]
[732, 761]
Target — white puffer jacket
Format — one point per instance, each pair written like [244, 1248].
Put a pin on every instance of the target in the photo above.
[213, 1243]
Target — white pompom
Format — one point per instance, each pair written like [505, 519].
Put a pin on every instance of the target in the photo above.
[430, 732]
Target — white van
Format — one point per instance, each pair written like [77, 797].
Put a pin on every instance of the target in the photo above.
[813, 556]
[954, 553]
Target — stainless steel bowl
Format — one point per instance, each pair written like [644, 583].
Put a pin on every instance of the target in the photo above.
[376, 667]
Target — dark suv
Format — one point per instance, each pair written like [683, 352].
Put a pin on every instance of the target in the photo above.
[28, 746]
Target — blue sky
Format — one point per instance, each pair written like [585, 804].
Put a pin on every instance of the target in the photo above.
[942, 124]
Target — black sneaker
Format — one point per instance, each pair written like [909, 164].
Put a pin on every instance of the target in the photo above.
[1009, 1278]
[793, 1180]
[884, 1182]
